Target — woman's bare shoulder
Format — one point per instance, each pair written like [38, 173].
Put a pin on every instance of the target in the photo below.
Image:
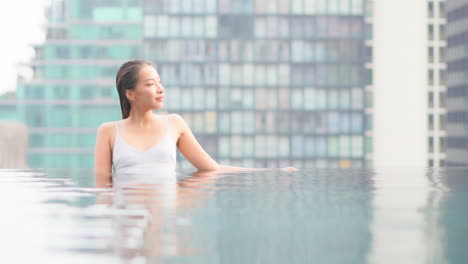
[107, 125]
[107, 128]
[177, 121]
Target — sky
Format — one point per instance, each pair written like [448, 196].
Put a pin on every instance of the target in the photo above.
[22, 23]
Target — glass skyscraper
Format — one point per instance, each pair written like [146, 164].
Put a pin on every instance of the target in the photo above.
[265, 83]
[73, 89]
[261, 83]
[457, 83]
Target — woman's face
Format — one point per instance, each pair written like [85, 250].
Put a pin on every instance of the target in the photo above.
[149, 90]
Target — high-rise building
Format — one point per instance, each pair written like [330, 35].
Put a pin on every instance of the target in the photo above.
[261, 83]
[265, 83]
[457, 83]
[437, 90]
[73, 89]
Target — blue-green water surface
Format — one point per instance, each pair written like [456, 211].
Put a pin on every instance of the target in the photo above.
[307, 216]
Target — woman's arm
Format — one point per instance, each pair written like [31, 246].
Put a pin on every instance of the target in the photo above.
[191, 149]
[103, 157]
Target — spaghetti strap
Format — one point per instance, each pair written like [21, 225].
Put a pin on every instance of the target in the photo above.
[168, 123]
[116, 127]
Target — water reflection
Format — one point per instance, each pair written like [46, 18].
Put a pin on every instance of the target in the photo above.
[453, 214]
[155, 220]
[321, 216]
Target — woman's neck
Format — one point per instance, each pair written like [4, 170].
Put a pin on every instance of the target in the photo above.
[141, 119]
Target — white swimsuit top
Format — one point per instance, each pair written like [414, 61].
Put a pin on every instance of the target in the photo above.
[130, 164]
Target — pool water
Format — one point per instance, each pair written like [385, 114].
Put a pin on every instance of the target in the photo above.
[411, 215]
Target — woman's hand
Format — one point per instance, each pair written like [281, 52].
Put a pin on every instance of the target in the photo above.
[289, 169]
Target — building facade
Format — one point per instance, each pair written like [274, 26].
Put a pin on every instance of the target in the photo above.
[457, 83]
[437, 89]
[73, 89]
[265, 83]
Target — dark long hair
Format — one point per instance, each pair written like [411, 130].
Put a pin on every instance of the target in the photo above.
[127, 78]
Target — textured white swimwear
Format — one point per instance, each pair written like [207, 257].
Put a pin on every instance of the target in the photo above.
[155, 164]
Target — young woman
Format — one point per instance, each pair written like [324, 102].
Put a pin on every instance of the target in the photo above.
[144, 142]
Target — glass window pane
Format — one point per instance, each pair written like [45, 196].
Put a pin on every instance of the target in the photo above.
[260, 98]
[283, 74]
[236, 74]
[297, 98]
[345, 146]
[211, 26]
[283, 6]
[309, 98]
[224, 122]
[272, 98]
[248, 98]
[236, 146]
[321, 6]
[198, 98]
[310, 147]
[236, 122]
[282, 122]
[248, 146]
[332, 99]
[345, 123]
[249, 122]
[162, 25]
[357, 146]
[345, 100]
[186, 98]
[357, 98]
[210, 6]
[297, 6]
[297, 50]
[357, 7]
[284, 98]
[173, 98]
[309, 7]
[198, 122]
[198, 27]
[224, 146]
[333, 122]
[321, 146]
[356, 123]
[260, 27]
[210, 122]
[224, 74]
[150, 26]
[210, 74]
[333, 146]
[260, 73]
[321, 101]
[260, 146]
[272, 146]
[272, 75]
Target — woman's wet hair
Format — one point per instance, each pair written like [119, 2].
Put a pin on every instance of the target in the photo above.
[127, 78]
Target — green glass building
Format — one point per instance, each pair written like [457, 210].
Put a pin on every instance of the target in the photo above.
[73, 89]
[261, 83]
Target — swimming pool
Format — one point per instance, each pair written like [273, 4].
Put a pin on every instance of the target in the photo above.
[309, 216]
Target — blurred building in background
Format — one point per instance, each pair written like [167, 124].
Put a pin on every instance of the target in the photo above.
[457, 83]
[261, 83]
[437, 89]
[265, 83]
[8, 106]
[73, 89]
[13, 145]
